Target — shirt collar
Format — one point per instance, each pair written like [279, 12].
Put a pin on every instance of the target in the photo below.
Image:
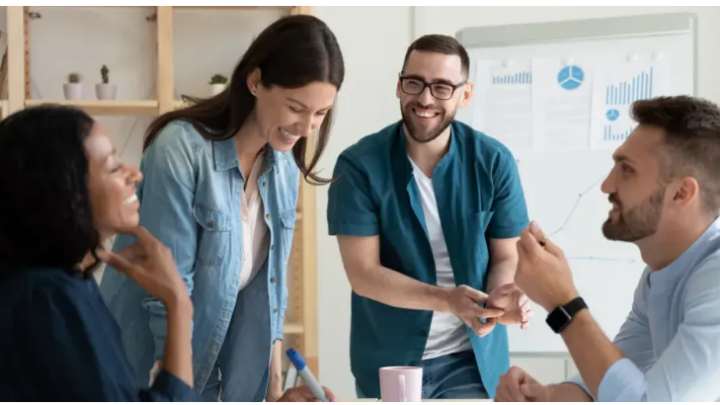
[225, 155]
[696, 252]
[400, 150]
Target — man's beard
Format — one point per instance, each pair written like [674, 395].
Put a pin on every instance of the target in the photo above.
[417, 133]
[637, 223]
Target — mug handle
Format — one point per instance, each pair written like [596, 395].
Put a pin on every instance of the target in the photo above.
[401, 384]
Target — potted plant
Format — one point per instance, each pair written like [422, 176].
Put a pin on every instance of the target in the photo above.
[105, 90]
[73, 88]
[218, 83]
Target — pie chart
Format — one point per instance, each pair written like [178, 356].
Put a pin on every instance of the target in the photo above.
[612, 114]
[571, 77]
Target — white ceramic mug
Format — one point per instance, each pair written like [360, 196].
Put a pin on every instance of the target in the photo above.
[401, 384]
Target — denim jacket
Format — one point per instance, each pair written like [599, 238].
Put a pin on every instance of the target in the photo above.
[190, 200]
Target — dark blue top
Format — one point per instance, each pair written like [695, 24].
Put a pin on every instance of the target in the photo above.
[59, 342]
[479, 197]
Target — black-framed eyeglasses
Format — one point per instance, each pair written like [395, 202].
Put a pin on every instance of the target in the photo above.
[441, 91]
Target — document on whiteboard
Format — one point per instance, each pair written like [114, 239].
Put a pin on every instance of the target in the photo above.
[562, 102]
[503, 106]
[615, 88]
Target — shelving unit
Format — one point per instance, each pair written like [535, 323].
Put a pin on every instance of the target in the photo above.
[301, 318]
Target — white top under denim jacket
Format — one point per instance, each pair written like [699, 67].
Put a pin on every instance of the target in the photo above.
[190, 199]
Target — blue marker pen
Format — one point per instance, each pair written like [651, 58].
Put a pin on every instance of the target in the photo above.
[307, 375]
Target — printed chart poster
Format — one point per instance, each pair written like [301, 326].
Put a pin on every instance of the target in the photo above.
[503, 109]
[616, 87]
[562, 97]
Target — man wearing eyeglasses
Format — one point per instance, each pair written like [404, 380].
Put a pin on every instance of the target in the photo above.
[427, 212]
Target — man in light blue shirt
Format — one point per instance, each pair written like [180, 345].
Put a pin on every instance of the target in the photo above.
[665, 192]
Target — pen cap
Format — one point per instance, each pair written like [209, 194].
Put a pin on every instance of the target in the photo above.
[296, 359]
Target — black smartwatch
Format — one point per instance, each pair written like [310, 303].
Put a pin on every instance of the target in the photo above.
[560, 317]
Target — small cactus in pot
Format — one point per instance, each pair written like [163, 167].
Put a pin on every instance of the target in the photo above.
[105, 90]
[73, 88]
[218, 83]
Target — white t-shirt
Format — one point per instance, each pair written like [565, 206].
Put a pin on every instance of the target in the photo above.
[256, 238]
[447, 333]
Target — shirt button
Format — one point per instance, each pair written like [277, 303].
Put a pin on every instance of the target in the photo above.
[235, 282]
[264, 183]
[272, 280]
[210, 224]
[423, 333]
[267, 216]
[275, 311]
[214, 347]
[227, 314]
[272, 247]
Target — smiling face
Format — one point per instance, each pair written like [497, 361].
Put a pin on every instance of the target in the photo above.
[285, 114]
[426, 116]
[111, 185]
[635, 187]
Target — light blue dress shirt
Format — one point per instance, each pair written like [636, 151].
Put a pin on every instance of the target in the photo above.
[671, 338]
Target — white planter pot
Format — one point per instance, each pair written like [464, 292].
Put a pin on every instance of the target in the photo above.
[73, 91]
[217, 88]
[105, 91]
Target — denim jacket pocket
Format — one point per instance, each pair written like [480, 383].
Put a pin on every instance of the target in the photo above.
[213, 234]
[287, 229]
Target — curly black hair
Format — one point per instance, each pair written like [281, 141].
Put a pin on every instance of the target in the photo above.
[45, 211]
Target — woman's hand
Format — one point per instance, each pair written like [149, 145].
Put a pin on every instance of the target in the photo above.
[150, 264]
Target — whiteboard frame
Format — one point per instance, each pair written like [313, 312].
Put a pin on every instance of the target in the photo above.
[573, 32]
[584, 30]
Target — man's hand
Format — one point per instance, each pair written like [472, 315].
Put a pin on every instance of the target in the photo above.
[303, 394]
[463, 302]
[514, 302]
[518, 386]
[543, 273]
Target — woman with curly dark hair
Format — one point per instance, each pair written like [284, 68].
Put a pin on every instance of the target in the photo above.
[65, 192]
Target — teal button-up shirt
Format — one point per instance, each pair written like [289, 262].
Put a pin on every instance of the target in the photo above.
[479, 196]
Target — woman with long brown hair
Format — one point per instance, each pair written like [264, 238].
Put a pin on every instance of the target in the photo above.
[220, 189]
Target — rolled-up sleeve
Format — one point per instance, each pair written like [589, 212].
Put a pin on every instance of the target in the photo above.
[351, 210]
[510, 209]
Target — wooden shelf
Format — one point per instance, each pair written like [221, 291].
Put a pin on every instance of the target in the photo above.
[106, 107]
[302, 323]
[294, 329]
[279, 8]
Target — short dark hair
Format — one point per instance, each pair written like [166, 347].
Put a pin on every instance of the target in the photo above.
[45, 211]
[692, 141]
[440, 44]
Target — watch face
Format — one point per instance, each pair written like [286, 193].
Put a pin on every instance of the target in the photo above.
[558, 319]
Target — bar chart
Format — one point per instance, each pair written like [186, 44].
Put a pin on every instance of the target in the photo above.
[625, 93]
[517, 78]
[610, 135]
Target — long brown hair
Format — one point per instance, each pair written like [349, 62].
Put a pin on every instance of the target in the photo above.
[291, 53]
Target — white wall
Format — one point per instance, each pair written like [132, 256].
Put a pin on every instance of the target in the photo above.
[207, 42]
[370, 96]
[367, 102]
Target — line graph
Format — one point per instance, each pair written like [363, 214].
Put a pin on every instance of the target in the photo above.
[571, 215]
[572, 211]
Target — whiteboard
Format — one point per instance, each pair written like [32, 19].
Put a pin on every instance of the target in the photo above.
[562, 188]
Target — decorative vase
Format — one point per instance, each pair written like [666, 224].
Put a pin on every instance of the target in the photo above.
[105, 91]
[217, 88]
[73, 91]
